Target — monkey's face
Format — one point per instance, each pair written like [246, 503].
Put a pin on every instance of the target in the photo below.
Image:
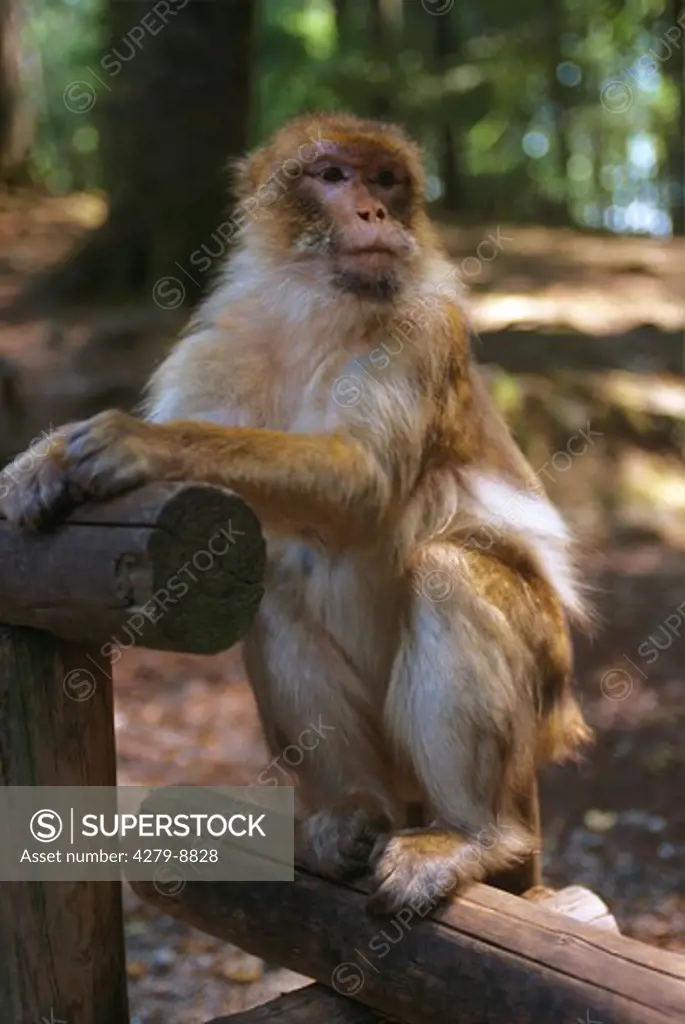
[357, 219]
[351, 206]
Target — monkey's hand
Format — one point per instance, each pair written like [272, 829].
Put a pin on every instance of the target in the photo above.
[97, 458]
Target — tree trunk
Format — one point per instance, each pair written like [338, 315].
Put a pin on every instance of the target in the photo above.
[15, 122]
[675, 67]
[561, 98]
[446, 46]
[386, 21]
[342, 22]
[172, 94]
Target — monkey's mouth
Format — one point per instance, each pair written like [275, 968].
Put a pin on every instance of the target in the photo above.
[368, 250]
[372, 260]
[369, 256]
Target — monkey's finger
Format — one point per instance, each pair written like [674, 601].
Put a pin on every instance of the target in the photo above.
[87, 438]
[101, 430]
[106, 473]
[36, 499]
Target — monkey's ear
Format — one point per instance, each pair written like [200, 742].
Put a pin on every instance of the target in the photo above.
[249, 172]
[242, 177]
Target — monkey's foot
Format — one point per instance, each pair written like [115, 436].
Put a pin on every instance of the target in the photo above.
[98, 458]
[418, 868]
[339, 842]
[423, 867]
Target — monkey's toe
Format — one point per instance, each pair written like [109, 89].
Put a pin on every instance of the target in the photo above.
[340, 842]
[414, 869]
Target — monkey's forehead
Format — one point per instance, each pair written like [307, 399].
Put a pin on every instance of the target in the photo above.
[342, 125]
[361, 147]
[345, 135]
[308, 138]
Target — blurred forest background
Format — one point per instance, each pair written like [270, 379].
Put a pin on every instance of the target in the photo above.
[554, 134]
[547, 111]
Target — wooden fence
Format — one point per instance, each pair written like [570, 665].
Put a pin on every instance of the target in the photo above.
[180, 568]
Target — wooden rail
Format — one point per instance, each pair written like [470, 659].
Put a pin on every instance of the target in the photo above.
[313, 1004]
[488, 956]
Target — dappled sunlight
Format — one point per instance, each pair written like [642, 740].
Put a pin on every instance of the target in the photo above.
[554, 277]
[653, 493]
[616, 307]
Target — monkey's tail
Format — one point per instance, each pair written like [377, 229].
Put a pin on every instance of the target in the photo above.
[564, 732]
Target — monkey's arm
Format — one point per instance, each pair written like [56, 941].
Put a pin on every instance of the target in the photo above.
[331, 484]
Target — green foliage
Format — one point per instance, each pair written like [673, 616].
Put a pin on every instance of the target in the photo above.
[553, 109]
[61, 41]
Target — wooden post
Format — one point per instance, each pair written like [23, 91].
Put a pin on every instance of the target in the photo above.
[172, 567]
[62, 942]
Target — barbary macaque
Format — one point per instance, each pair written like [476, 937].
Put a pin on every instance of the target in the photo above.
[420, 584]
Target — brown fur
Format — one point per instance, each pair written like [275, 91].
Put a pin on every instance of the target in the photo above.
[419, 583]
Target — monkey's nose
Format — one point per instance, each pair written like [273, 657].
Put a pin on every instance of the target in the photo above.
[371, 216]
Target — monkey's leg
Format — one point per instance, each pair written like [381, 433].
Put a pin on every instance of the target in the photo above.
[310, 698]
[526, 876]
[460, 710]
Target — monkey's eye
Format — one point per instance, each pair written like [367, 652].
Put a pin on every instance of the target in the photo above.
[386, 179]
[332, 175]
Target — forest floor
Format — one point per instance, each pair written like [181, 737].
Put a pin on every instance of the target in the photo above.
[591, 330]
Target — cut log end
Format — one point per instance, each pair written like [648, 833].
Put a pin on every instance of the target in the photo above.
[170, 566]
[218, 552]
